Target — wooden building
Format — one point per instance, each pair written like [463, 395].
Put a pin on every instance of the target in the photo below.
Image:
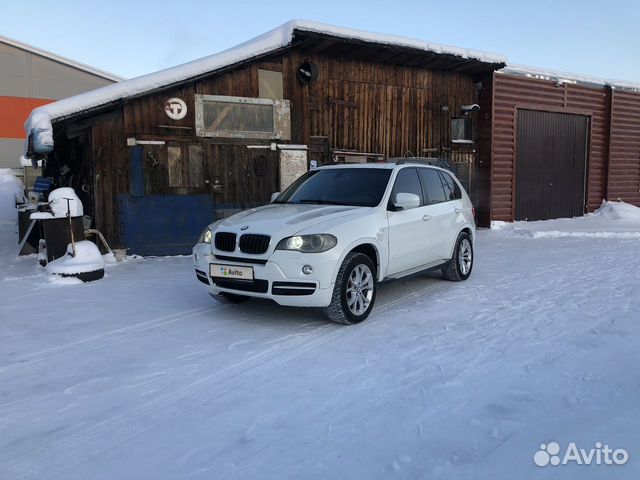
[158, 157]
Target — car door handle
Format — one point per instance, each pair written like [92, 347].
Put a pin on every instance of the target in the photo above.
[458, 210]
[426, 217]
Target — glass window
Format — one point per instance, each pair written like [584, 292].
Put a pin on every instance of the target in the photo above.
[270, 84]
[407, 181]
[461, 130]
[237, 117]
[242, 117]
[451, 188]
[339, 186]
[432, 183]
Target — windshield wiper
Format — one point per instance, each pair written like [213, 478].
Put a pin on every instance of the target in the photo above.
[320, 201]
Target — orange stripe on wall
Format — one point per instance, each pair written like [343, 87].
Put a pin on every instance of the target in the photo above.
[13, 113]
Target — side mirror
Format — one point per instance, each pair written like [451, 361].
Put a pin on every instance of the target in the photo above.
[274, 195]
[406, 201]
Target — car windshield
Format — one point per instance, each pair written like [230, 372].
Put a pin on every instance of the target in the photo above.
[339, 186]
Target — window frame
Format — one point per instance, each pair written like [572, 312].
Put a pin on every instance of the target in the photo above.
[390, 205]
[424, 189]
[281, 117]
[457, 192]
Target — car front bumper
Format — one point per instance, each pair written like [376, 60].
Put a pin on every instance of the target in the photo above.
[280, 278]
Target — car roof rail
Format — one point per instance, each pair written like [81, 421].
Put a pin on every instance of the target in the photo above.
[443, 163]
[418, 160]
[330, 164]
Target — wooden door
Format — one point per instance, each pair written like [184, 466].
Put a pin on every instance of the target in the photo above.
[241, 177]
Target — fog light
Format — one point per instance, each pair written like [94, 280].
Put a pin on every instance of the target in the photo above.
[307, 269]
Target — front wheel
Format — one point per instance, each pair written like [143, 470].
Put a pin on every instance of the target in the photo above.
[461, 264]
[355, 290]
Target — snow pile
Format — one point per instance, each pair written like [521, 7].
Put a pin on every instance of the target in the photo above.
[87, 259]
[59, 205]
[611, 220]
[58, 202]
[11, 192]
[277, 38]
[40, 128]
[622, 211]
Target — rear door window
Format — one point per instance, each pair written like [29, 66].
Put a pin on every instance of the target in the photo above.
[451, 188]
[432, 184]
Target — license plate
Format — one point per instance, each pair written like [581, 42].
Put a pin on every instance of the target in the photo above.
[231, 271]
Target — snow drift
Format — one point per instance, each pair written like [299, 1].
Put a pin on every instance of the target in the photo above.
[11, 192]
[611, 220]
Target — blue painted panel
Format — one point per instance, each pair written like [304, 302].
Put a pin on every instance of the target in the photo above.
[163, 224]
[136, 171]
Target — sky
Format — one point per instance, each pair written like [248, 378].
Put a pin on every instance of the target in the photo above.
[131, 38]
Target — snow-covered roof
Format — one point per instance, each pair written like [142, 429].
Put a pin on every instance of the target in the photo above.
[275, 39]
[568, 77]
[60, 59]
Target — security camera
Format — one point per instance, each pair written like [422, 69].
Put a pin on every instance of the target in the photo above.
[466, 109]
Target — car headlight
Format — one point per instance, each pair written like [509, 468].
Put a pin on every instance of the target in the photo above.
[205, 236]
[308, 243]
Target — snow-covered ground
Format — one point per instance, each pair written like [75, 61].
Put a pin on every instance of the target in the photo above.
[141, 375]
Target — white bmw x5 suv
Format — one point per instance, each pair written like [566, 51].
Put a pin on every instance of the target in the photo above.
[336, 232]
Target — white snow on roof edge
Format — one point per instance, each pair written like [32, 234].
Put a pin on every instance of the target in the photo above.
[272, 40]
[559, 75]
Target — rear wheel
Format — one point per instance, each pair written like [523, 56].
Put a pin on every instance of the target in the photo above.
[461, 264]
[225, 297]
[355, 290]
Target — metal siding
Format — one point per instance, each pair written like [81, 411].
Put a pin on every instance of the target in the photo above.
[14, 72]
[163, 224]
[624, 158]
[50, 79]
[137, 172]
[550, 165]
[509, 92]
[10, 151]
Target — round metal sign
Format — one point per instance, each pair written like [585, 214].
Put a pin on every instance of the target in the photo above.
[175, 108]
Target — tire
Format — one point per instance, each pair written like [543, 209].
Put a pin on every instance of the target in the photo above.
[461, 264]
[356, 266]
[234, 298]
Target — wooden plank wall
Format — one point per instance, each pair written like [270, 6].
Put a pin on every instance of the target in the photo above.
[375, 107]
[481, 193]
[511, 92]
[111, 175]
[624, 150]
[359, 105]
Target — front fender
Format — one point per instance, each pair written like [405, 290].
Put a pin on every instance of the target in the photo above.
[381, 254]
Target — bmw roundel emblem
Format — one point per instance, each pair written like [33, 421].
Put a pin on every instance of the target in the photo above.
[244, 228]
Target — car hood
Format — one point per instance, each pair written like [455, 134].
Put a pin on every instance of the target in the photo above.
[284, 219]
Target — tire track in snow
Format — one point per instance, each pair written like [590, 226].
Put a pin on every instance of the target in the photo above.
[53, 352]
[62, 455]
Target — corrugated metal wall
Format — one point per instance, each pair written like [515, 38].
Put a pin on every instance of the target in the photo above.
[512, 92]
[624, 149]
